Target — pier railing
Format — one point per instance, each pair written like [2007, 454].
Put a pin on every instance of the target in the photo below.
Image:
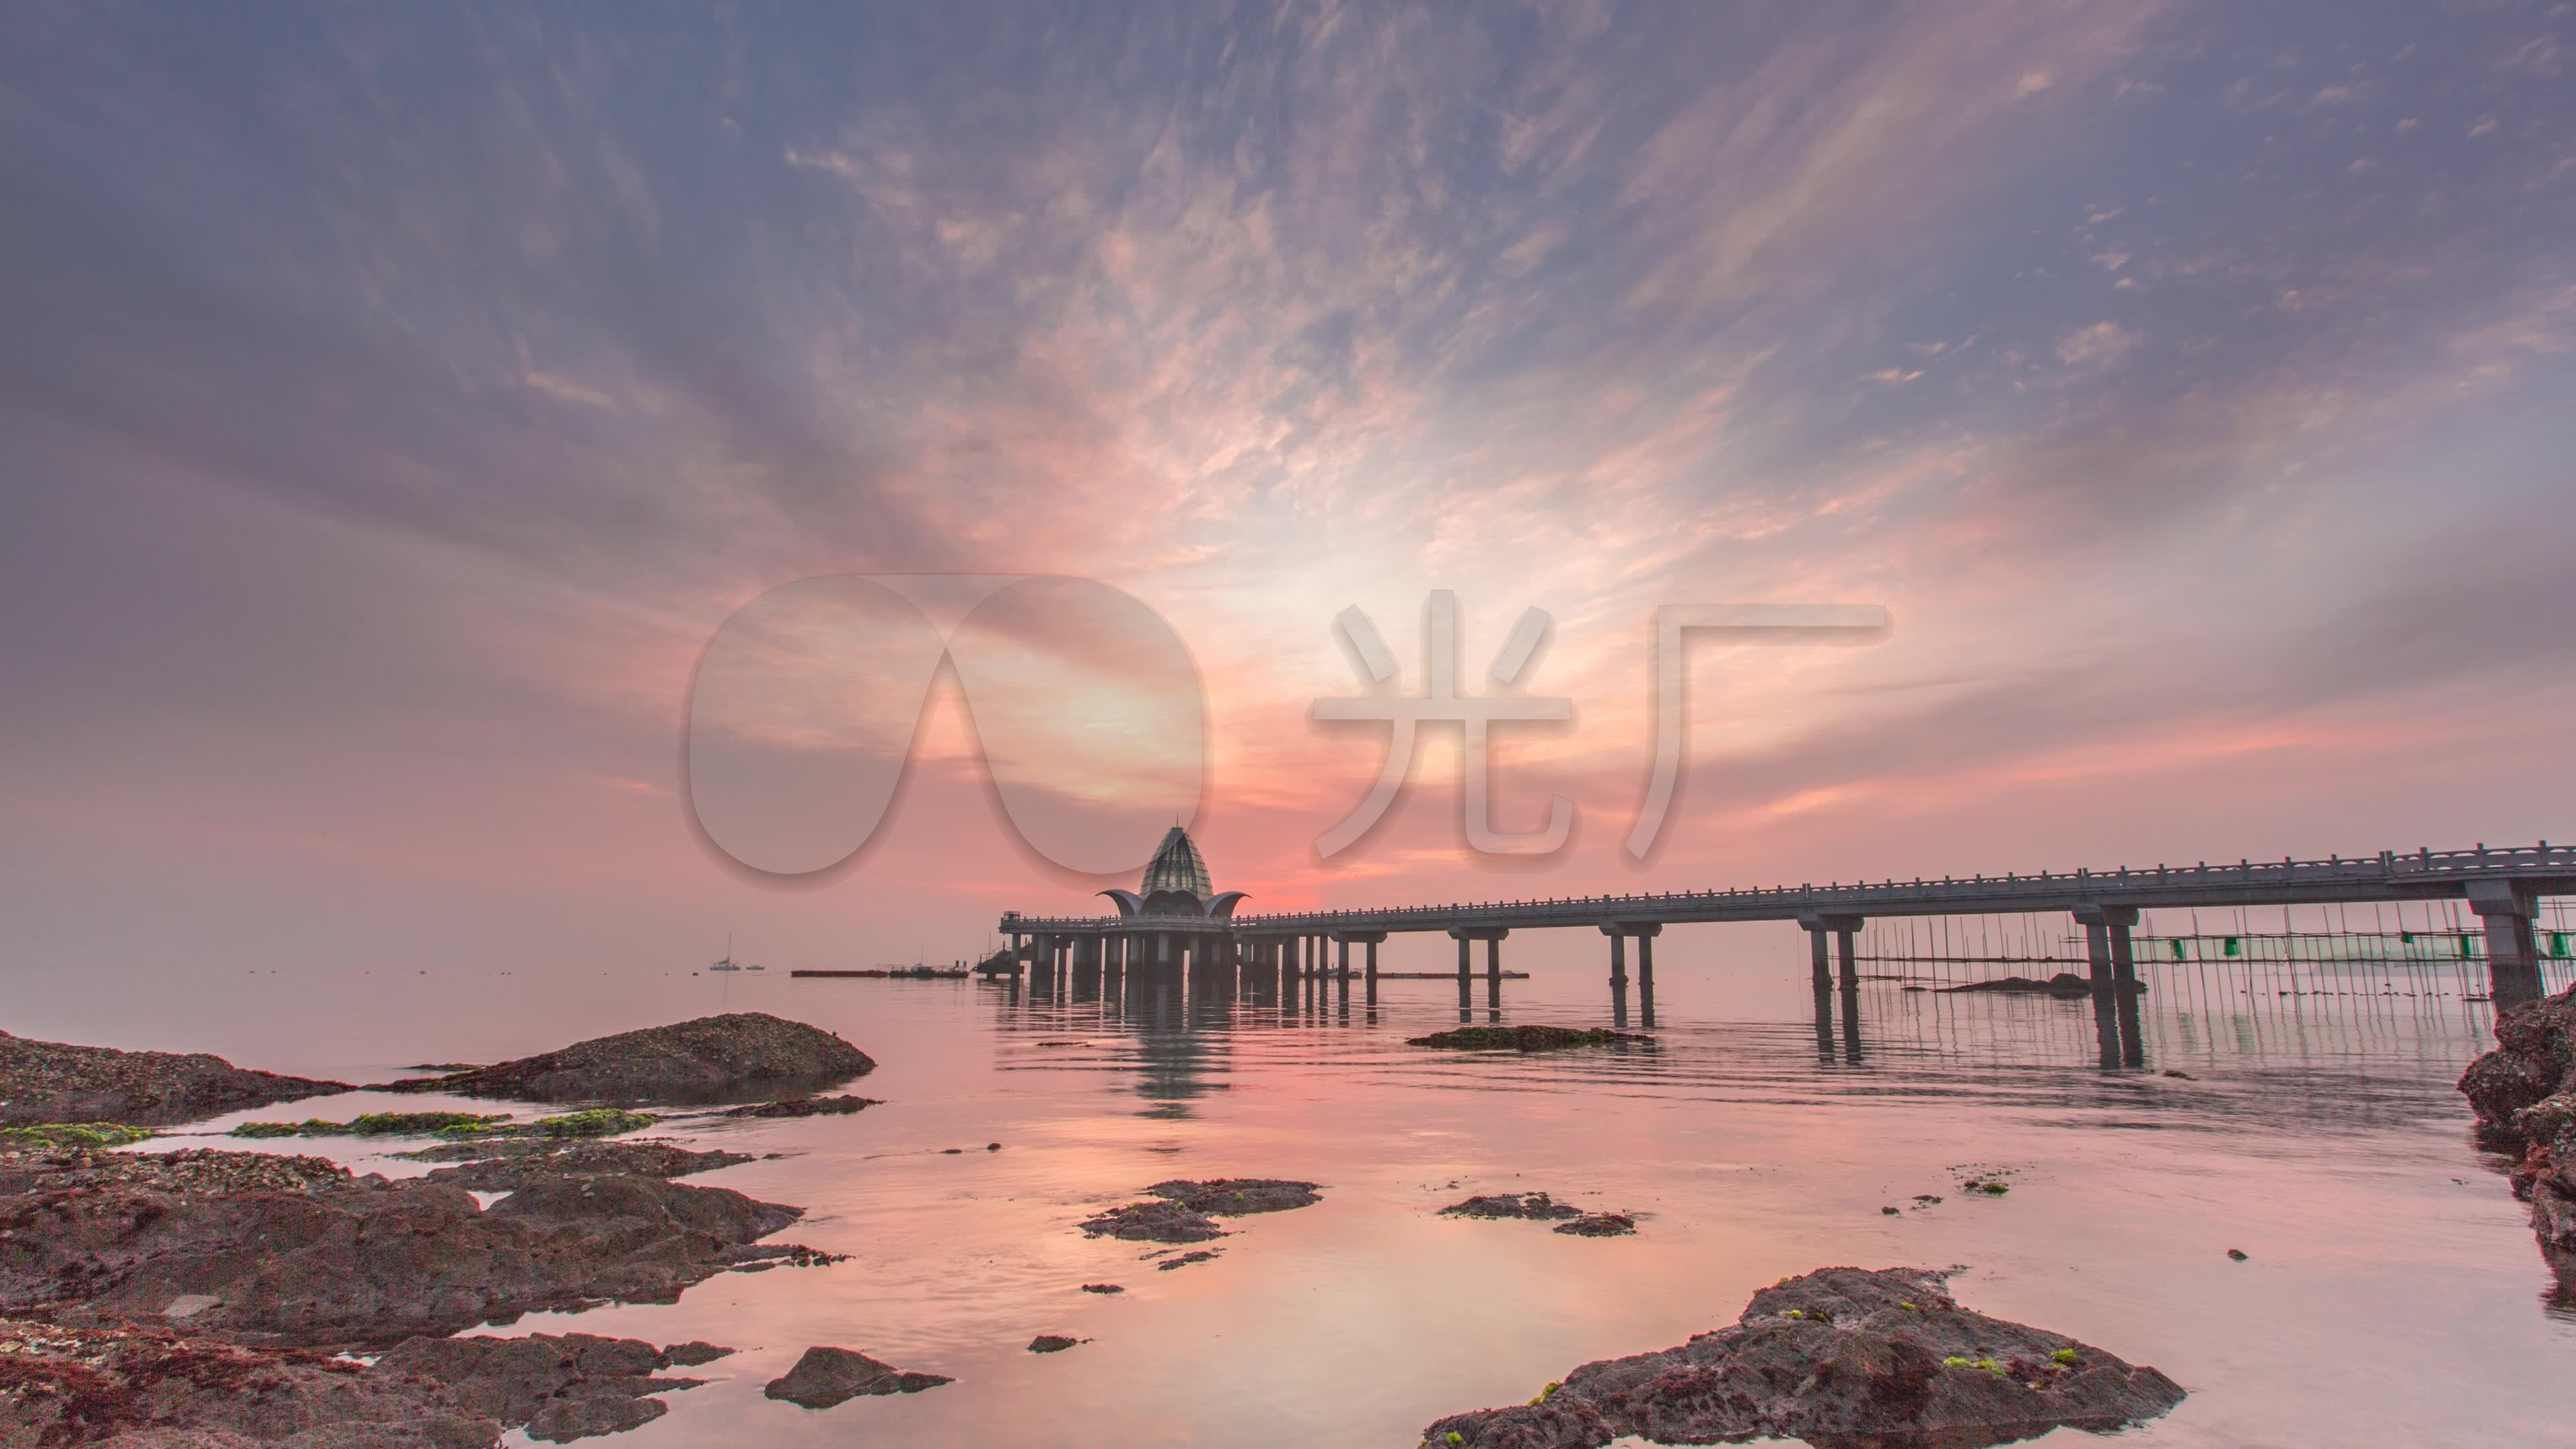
[2541, 869]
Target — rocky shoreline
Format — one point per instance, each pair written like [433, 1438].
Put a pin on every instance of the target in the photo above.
[204, 1299]
[43, 1081]
[2524, 1093]
[738, 1057]
[155, 1388]
[297, 1252]
[1843, 1358]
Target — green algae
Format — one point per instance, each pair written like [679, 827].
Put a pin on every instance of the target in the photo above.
[73, 1134]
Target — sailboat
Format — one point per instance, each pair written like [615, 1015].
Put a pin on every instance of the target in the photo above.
[726, 961]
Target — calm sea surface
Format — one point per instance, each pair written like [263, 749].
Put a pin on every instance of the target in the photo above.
[2393, 1293]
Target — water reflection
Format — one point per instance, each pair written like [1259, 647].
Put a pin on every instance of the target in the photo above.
[1178, 1032]
[1760, 1132]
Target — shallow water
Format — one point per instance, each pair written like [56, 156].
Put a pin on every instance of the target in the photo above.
[2393, 1293]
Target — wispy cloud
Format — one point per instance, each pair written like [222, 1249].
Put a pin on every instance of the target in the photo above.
[394, 404]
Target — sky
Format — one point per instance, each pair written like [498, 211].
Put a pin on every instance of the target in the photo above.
[399, 406]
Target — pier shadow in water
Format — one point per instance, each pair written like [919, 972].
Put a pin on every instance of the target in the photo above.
[1178, 1035]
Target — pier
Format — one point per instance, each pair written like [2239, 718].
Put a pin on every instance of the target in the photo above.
[1178, 922]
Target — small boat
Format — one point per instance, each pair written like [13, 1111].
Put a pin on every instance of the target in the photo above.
[726, 961]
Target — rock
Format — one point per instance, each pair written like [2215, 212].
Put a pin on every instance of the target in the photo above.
[828, 1376]
[806, 1107]
[1053, 1343]
[157, 1387]
[712, 1060]
[1160, 1221]
[2238, 1254]
[1102, 1288]
[300, 1253]
[1890, 1212]
[1230, 1197]
[2524, 1093]
[1838, 1357]
[1599, 1225]
[2550, 1174]
[524, 1161]
[2064, 983]
[561, 1388]
[2543, 1121]
[1183, 1260]
[42, 1081]
[1520, 1038]
[1536, 1205]
[2534, 1056]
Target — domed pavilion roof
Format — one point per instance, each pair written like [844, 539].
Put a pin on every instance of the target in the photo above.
[1177, 866]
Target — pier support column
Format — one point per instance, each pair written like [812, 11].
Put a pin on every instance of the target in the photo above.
[1342, 962]
[2113, 975]
[1367, 942]
[1646, 980]
[2106, 945]
[2513, 948]
[1619, 932]
[1816, 925]
[1467, 936]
